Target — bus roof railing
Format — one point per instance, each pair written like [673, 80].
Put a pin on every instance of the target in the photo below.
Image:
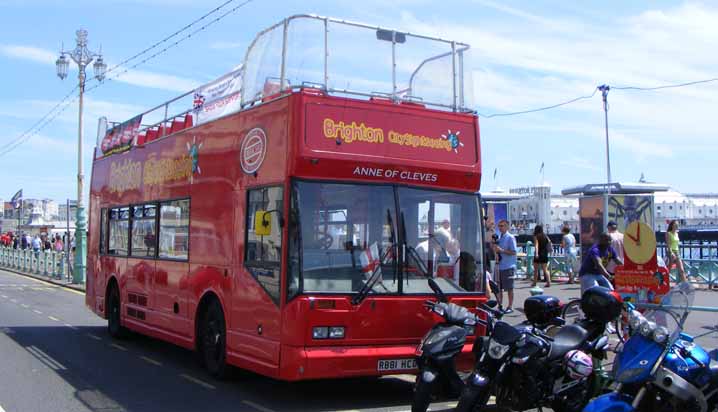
[261, 81]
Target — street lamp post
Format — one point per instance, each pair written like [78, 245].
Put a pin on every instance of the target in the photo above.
[82, 56]
[607, 194]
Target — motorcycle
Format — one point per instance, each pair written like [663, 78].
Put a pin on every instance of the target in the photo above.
[438, 349]
[525, 368]
[661, 368]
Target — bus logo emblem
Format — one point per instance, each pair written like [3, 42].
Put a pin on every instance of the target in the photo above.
[253, 150]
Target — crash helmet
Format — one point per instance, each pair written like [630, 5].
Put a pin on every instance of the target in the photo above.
[579, 365]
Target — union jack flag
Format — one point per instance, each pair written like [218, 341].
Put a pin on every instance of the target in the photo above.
[198, 100]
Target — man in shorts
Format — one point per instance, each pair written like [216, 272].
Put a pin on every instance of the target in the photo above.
[505, 249]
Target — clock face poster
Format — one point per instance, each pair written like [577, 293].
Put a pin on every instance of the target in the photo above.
[639, 279]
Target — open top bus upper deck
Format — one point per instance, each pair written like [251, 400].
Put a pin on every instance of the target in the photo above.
[327, 56]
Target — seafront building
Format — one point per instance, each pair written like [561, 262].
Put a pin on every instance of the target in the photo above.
[529, 206]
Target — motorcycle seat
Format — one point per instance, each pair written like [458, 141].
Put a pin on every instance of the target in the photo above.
[568, 338]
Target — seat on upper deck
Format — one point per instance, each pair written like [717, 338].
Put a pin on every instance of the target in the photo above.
[177, 125]
[151, 135]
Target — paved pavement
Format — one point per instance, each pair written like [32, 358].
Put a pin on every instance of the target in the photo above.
[57, 356]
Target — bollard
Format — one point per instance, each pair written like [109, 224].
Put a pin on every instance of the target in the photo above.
[61, 264]
[53, 263]
[45, 259]
[530, 260]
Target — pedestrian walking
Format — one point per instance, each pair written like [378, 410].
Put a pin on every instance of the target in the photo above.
[543, 250]
[568, 243]
[673, 243]
[617, 244]
[593, 268]
[36, 245]
[505, 249]
[59, 247]
[24, 243]
[46, 244]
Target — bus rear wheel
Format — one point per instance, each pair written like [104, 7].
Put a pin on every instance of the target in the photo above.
[213, 340]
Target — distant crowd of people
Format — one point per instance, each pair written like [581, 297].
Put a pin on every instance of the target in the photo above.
[36, 243]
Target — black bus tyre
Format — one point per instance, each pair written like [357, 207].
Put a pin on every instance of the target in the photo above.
[422, 395]
[213, 341]
[114, 312]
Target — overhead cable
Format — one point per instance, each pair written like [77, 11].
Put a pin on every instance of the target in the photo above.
[49, 117]
[488, 116]
[667, 86]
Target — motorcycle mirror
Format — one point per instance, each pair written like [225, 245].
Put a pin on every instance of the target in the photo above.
[437, 290]
[492, 303]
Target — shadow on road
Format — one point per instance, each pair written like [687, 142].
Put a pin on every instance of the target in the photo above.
[106, 377]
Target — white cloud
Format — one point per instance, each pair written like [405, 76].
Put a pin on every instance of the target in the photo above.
[580, 163]
[134, 77]
[157, 81]
[29, 53]
[224, 45]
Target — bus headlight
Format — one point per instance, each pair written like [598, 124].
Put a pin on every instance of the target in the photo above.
[328, 332]
[336, 332]
[320, 332]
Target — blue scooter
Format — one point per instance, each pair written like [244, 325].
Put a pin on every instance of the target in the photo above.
[661, 368]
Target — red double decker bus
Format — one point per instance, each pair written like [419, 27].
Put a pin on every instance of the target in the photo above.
[285, 223]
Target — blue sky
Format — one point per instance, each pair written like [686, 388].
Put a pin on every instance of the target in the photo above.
[525, 55]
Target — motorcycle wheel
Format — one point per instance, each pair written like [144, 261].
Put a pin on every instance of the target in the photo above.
[473, 399]
[422, 395]
[576, 400]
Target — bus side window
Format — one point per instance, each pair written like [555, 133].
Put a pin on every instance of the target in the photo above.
[103, 231]
[263, 253]
[119, 228]
[174, 229]
[144, 231]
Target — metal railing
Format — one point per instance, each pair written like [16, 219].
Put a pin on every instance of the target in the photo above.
[700, 271]
[43, 263]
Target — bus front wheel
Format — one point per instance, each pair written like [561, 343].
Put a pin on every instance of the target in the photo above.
[114, 310]
[214, 340]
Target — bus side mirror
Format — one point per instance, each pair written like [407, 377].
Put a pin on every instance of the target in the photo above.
[262, 223]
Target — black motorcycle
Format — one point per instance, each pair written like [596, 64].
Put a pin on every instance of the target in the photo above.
[525, 368]
[436, 354]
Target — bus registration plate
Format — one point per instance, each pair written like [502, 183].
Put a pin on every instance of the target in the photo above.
[396, 364]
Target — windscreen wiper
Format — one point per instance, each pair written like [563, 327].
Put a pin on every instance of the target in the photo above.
[369, 284]
[407, 249]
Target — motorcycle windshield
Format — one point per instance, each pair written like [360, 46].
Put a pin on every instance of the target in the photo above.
[674, 309]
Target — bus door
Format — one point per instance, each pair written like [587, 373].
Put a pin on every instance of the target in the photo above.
[169, 284]
[140, 261]
[255, 311]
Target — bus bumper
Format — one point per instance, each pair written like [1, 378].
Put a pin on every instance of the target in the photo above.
[322, 362]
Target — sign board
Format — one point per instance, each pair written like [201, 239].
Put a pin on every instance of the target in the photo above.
[219, 98]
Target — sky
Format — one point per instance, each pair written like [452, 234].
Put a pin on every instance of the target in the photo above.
[524, 55]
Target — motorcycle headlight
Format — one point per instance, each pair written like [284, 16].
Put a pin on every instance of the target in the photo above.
[635, 319]
[497, 350]
[647, 328]
[660, 335]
